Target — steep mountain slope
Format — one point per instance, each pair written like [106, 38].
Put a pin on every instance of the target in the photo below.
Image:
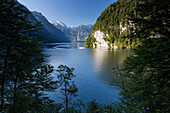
[48, 30]
[79, 33]
[113, 27]
[55, 34]
[59, 24]
[64, 28]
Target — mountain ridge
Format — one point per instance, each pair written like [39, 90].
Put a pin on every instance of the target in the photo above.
[57, 36]
[79, 33]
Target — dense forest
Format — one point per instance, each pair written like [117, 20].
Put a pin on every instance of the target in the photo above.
[115, 22]
[143, 77]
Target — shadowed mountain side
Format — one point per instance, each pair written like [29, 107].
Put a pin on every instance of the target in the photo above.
[79, 33]
[50, 32]
[55, 34]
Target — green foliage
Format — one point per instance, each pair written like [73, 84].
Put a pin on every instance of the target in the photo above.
[144, 76]
[94, 107]
[68, 88]
[23, 75]
[90, 41]
[114, 18]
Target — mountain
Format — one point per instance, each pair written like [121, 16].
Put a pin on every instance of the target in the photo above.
[48, 30]
[55, 34]
[79, 33]
[58, 24]
[64, 28]
[113, 27]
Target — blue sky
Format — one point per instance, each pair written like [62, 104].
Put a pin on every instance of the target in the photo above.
[71, 12]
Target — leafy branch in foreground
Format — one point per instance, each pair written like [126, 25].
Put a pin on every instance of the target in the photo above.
[67, 86]
[146, 72]
[23, 75]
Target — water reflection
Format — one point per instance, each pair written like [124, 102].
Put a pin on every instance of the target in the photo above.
[65, 45]
[78, 45]
[93, 69]
[106, 59]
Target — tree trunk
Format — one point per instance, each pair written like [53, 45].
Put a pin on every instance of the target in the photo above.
[15, 109]
[66, 97]
[3, 79]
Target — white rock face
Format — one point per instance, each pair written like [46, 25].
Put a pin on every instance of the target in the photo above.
[122, 28]
[100, 39]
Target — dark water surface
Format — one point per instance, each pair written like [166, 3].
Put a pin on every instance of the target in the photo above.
[93, 69]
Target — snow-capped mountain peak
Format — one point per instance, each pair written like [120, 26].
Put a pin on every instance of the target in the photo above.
[56, 23]
[71, 26]
[74, 33]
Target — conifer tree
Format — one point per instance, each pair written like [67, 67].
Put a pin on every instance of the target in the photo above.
[23, 75]
[147, 71]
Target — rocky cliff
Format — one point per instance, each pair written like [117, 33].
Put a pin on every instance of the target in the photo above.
[79, 33]
[113, 26]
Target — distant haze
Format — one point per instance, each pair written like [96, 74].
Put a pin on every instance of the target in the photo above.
[71, 12]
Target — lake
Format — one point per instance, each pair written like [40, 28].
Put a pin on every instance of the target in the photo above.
[93, 69]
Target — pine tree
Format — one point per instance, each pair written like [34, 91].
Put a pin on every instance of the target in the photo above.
[23, 75]
[147, 71]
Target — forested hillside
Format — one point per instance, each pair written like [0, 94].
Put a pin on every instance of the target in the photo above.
[115, 22]
[26, 77]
